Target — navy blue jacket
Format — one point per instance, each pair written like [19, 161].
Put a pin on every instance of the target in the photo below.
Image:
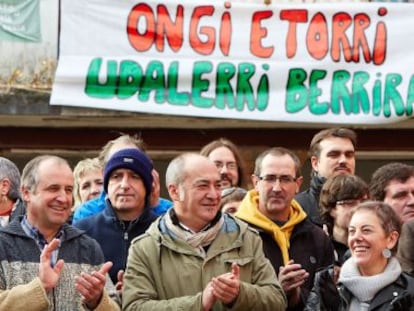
[113, 235]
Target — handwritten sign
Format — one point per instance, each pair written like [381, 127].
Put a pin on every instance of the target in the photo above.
[345, 64]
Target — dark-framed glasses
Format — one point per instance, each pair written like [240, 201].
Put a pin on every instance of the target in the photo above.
[283, 179]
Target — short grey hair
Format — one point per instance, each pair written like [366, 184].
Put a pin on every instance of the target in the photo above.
[176, 171]
[10, 171]
[30, 174]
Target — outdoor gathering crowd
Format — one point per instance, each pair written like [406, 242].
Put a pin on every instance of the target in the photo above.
[100, 237]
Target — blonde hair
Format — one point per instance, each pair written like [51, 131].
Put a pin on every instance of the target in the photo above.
[83, 166]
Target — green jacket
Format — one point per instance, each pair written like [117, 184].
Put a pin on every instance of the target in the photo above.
[164, 273]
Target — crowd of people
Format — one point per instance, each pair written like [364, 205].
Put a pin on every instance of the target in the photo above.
[100, 237]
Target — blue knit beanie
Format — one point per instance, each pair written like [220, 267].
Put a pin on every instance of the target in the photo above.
[135, 160]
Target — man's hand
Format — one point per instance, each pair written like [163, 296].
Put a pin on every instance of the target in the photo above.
[48, 275]
[208, 298]
[91, 286]
[119, 284]
[226, 287]
[292, 277]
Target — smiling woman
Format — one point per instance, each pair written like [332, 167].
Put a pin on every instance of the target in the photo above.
[372, 279]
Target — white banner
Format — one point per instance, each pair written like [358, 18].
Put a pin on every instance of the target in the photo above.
[333, 63]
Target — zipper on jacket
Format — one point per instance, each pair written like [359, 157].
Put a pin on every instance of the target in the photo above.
[124, 230]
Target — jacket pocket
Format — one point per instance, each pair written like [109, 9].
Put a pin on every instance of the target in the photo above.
[240, 261]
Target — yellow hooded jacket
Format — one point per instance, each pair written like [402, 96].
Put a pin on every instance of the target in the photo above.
[249, 212]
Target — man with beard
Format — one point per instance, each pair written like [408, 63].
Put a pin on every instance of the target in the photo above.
[332, 152]
[295, 246]
[227, 158]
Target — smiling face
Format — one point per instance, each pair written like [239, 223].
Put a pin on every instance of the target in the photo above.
[337, 156]
[197, 197]
[367, 239]
[49, 203]
[226, 164]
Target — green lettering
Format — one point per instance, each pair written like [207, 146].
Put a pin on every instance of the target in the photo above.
[392, 95]
[94, 88]
[316, 107]
[154, 81]
[340, 92]
[130, 76]
[377, 96]
[244, 88]
[410, 97]
[224, 90]
[360, 94]
[199, 85]
[296, 92]
[174, 97]
[263, 91]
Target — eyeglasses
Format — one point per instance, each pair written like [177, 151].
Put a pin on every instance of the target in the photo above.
[349, 202]
[283, 179]
[229, 165]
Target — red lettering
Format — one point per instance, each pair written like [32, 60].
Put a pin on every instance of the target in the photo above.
[341, 22]
[225, 33]
[205, 47]
[317, 40]
[293, 17]
[361, 22]
[166, 28]
[141, 42]
[257, 33]
[380, 44]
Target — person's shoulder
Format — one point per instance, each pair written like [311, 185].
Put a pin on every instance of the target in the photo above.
[408, 279]
[88, 222]
[89, 208]
[151, 235]
[303, 195]
[162, 207]
[244, 228]
[311, 228]
[76, 235]
[408, 226]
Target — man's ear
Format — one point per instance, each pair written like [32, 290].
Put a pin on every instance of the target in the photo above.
[4, 186]
[314, 162]
[174, 192]
[299, 181]
[255, 180]
[25, 193]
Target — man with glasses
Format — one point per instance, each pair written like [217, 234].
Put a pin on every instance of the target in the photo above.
[227, 158]
[294, 245]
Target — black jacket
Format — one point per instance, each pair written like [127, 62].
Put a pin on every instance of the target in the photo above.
[309, 246]
[326, 296]
[115, 236]
[309, 199]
